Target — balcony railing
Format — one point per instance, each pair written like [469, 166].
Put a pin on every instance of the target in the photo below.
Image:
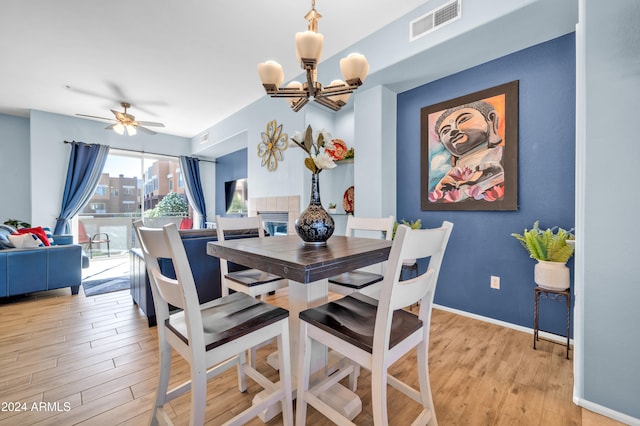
[119, 229]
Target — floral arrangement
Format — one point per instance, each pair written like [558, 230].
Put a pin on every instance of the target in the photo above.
[322, 150]
[550, 244]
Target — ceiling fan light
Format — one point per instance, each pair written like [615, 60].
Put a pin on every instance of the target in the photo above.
[354, 66]
[271, 73]
[131, 130]
[345, 96]
[119, 129]
[309, 45]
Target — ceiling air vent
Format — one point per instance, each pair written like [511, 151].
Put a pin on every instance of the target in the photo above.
[204, 137]
[436, 18]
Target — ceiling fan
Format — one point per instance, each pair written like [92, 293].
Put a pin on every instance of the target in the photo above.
[126, 122]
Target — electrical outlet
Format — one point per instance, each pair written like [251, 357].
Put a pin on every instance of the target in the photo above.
[495, 282]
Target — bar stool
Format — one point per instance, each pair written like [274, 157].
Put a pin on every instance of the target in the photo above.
[376, 333]
[211, 337]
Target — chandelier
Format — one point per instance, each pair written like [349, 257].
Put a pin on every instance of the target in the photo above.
[354, 69]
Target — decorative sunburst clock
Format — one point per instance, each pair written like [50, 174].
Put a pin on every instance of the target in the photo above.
[272, 145]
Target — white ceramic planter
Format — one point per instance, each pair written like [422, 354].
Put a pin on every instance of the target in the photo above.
[552, 275]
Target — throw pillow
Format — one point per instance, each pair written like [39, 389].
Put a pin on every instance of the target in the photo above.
[25, 240]
[39, 232]
[49, 235]
[5, 231]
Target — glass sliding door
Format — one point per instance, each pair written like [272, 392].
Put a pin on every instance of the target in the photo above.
[132, 186]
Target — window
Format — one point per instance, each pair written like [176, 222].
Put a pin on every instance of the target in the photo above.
[180, 182]
[101, 190]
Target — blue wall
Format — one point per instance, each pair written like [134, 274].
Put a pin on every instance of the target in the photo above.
[481, 244]
[229, 167]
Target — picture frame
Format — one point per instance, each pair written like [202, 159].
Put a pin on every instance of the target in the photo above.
[469, 151]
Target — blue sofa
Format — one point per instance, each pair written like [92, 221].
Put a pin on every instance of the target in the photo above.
[36, 269]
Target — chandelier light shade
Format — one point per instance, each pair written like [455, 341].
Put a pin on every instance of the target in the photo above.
[309, 43]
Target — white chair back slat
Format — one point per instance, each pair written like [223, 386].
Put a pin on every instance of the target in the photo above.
[409, 291]
[224, 224]
[382, 224]
[169, 289]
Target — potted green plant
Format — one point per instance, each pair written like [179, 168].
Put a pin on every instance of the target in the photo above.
[552, 251]
[17, 223]
[332, 208]
[414, 224]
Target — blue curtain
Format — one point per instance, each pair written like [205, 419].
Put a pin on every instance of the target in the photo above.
[190, 168]
[85, 167]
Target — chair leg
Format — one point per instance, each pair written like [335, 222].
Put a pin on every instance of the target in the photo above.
[198, 390]
[304, 365]
[423, 378]
[252, 357]
[379, 395]
[353, 377]
[284, 365]
[163, 380]
[242, 376]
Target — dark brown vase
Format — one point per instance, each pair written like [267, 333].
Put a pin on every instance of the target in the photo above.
[315, 225]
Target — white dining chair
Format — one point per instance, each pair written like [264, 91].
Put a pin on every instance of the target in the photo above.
[359, 279]
[249, 281]
[211, 337]
[376, 333]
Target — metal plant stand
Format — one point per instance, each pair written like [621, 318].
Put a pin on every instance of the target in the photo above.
[558, 295]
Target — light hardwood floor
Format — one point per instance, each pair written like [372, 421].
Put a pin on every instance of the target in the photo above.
[93, 361]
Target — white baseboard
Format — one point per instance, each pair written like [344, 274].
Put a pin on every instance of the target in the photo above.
[615, 415]
[527, 330]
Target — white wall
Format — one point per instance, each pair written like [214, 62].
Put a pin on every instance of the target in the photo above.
[607, 366]
[375, 165]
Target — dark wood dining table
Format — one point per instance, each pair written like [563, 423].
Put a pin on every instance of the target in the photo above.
[307, 268]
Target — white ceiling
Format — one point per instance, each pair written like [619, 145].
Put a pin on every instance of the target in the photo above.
[186, 63]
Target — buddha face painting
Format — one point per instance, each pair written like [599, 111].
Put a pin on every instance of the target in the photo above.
[465, 128]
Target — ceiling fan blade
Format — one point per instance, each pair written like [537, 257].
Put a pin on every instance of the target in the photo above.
[93, 116]
[144, 129]
[111, 126]
[150, 123]
[119, 116]
[91, 93]
[117, 90]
